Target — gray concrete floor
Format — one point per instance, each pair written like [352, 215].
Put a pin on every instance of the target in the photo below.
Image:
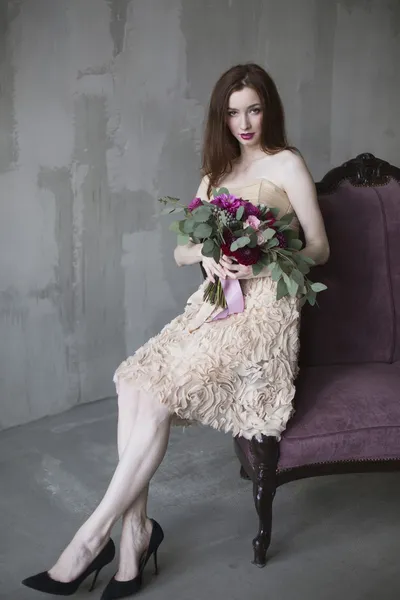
[333, 537]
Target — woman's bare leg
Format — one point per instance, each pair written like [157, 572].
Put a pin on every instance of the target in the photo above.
[136, 526]
[135, 537]
[141, 457]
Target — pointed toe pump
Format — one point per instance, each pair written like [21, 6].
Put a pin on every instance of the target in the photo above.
[121, 589]
[42, 582]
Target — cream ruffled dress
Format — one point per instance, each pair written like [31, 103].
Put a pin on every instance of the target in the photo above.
[236, 374]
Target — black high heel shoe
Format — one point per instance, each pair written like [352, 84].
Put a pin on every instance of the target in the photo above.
[121, 589]
[44, 583]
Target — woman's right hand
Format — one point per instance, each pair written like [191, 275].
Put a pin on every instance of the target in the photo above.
[212, 268]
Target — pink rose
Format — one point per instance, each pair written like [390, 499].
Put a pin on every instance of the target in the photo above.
[253, 221]
[260, 239]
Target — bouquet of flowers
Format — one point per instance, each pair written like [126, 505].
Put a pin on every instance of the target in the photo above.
[250, 234]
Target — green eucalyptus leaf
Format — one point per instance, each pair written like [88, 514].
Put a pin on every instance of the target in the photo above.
[296, 244]
[273, 243]
[293, 287]
[303, 300]
[222, 190]
[274, 211]
[253, 240]
[268, 234]
[265, 259]
[291, 234]
[284, 221]
[281, 289]
[298, 277]
[201, 214]
[311, 297]
[208, 248]
[276, 272]
[302, 267]
[174, 226]
[183, 240]
[203, 230]
[188, 226]
[249, 230]
[239, 213]
[257, 268]
[240, 243]
[287, 219]
[318, 287]
[216, 253]
[307, 259]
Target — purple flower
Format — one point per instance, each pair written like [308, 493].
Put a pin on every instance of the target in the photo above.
[195, 203]
[281, 239]
[228, 202]
[252, 210]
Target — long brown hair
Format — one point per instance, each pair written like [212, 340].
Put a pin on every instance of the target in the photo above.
[221, 148]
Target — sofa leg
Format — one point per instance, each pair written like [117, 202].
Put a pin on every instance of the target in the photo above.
[243, 474]
[265, 455]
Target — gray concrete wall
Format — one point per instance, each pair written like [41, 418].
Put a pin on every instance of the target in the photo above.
[101, 111]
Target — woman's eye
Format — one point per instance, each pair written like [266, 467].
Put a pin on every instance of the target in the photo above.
[233, 113]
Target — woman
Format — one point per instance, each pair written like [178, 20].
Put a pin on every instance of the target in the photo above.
[234, 374]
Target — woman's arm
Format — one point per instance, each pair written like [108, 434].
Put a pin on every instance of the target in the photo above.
[300, 188]
[190, 253]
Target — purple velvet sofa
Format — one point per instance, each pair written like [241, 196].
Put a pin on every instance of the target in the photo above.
[347, 402]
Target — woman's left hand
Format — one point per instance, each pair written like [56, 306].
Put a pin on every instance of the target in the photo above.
[237, 271]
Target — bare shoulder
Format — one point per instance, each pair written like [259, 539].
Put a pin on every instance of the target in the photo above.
[203, 188]
[293, 171]
[292, 162]
[300, 188]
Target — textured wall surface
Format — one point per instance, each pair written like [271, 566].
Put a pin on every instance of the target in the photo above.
[101, 111]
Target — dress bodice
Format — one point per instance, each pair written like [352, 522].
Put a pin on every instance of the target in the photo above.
[264, 191]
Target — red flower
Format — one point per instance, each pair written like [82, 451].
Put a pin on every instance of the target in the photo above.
[270, 218]
[247, 256]
[229, 239]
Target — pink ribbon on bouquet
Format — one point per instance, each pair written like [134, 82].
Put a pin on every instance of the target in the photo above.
[234, 298]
